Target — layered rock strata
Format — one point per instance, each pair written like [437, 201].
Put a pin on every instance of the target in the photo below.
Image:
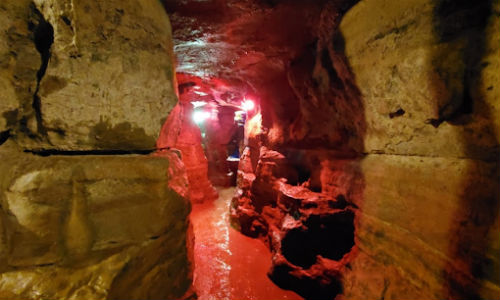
[84, 214]
[397, 126]
[65, 64]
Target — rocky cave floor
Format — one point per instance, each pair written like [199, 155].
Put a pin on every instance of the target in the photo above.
[229, 265]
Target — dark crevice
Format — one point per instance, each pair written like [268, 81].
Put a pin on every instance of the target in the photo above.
[45, 265]
[50, 152]
[184, 87]
[341, 203]
[327, 63]
[66, 20]
[43, 37]
[396, 30]
[397, 113]
[330, 236]
[4, 136]
[303, 174]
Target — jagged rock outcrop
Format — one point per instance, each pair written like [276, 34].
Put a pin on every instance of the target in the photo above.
[85, 84]
[180, 133]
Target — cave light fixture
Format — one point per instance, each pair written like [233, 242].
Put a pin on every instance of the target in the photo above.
[247, 104]
[199, 116]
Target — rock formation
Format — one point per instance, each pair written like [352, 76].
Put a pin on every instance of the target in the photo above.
[92, 53]
[371, 162]
[372, 168]
[181, 133]
[84, 213]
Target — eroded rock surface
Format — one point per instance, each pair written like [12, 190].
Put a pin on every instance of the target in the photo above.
[388, 110]
[181, 133]
[90, 73]
[80, 78]
[421, 63]
[80, 218]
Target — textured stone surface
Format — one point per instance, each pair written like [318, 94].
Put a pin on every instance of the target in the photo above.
[428, 74]
[89, 75]
[412, 147]
[97, 226]
[180, 133]
[101, 68]
[19, 62]
[440, 242]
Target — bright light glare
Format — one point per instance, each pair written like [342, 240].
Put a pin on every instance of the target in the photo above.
[200, 116]
[198, 103]
[200, 93]
[247, 105]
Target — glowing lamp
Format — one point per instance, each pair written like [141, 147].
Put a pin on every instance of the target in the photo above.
[200, 116]
[247, 105]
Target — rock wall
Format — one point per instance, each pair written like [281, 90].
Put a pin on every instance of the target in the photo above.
[84, 214]
[93, 53]
[428, 74]
[392, 160]
[181, 133]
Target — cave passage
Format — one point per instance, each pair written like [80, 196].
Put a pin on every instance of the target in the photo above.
[229, 265]
[249, 149]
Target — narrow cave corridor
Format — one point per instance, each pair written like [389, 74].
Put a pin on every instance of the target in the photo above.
[228, 264]
[249, 149]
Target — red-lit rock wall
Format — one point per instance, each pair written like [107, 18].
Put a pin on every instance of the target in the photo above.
[181, 133]
[372, 169]
[381, 178]
[287, 195]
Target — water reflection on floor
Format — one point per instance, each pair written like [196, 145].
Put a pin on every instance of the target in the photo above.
[229, 265]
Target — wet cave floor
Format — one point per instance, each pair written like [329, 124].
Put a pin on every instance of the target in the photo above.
[229, 265]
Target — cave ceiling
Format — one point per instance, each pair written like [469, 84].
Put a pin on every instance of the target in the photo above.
[230, 49]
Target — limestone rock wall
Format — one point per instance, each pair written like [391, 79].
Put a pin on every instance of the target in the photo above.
[85, 85]
[69, 220]
[428, 75]
[113, 59]
[398, 124]
[181, 133]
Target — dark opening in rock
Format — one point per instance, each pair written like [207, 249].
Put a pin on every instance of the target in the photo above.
[43, 38]
[303, 174]
[330, 236]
